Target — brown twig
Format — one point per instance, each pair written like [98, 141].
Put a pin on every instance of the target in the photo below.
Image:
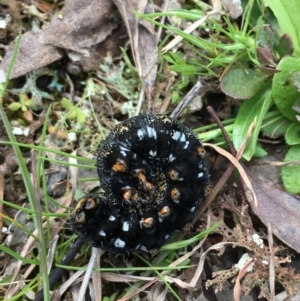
[213, 114]
[215, 191]
[186, 100]
[227, 173]
[229, 170]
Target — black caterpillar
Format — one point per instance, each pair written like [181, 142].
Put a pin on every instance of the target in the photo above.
[153, 175]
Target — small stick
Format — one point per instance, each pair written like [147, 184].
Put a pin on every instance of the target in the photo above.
[228, 171]
[213, 114]
[226, 174]
[186, 100]
[215, 191]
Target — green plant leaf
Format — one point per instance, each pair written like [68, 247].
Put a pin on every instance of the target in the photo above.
[180, 65]
[256, 107]
[169, 59]
[175, 97]
[15, 106]
[192, 14]
[66, 103]
[24, 108]
[243, 83]
[275, 127]
[287, 14]
[17, 256]
[266, 37]
[283, 91]
[259, 152]
[292, 136]
[184, 69]
[291, 174]
[80, 116]
[28, 102]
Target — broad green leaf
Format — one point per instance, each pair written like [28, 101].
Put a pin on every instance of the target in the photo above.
[28, 102]
[177, 57]
[14, 106]
[266, 37]
[259, 152]
[72, 114]
[80, 116]
[256, 107]
[287, 13]
[175, 97]
[243, 83]
[275, 127]
[66, 103]
[292, 136]
[291, 174]
[183, 84]
[283, 91]
[169, 59]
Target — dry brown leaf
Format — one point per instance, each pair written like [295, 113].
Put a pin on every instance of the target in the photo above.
[43, 6]
[279, 209]
[141, 289]
[234, 8]
[113, 277]
[82, 25]
[110, 48]
[157, 292]
[88, 273]
[32, 55]
[142, 40]
[237, 288]
[265, 56]
[65, 285]
[51, 252]
[89, 30]
[96, 278]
